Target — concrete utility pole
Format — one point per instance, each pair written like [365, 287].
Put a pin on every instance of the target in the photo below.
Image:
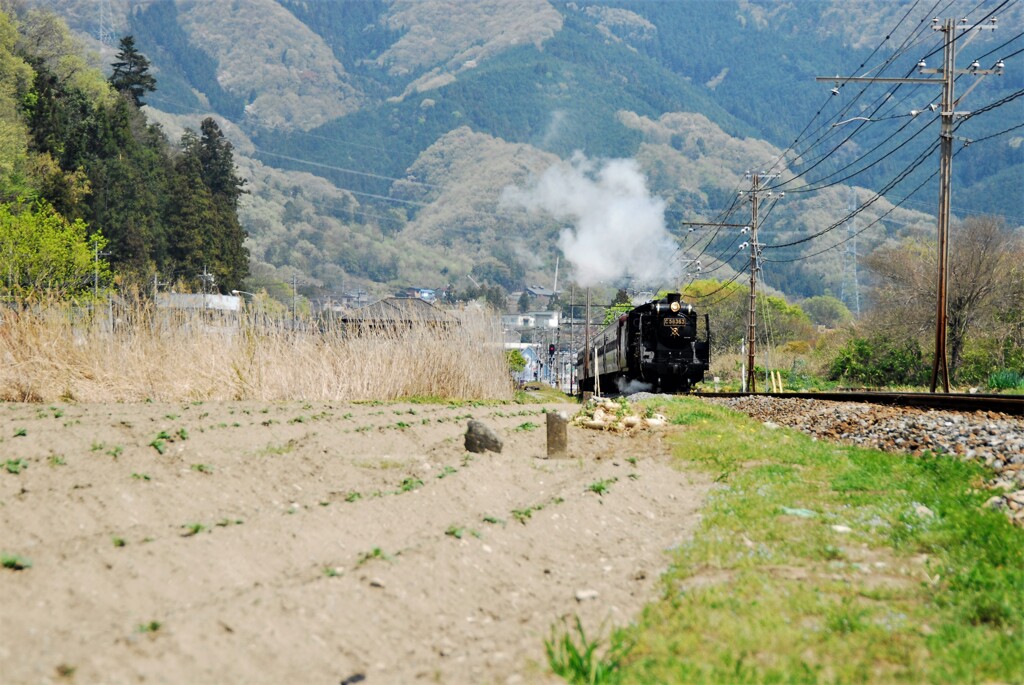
[948, 73]
[96, 269]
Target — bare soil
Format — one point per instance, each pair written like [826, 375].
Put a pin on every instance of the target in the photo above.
[314, 543]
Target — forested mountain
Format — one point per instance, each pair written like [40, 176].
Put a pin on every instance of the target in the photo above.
[379, 138]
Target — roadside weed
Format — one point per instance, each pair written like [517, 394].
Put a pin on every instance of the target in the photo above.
[581, 660]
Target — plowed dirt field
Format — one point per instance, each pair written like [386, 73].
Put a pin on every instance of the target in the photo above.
[316, 543]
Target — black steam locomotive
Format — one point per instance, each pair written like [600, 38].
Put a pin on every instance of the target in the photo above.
[663, 344]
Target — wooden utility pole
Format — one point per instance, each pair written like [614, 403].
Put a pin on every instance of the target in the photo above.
[755, 253]
[751, 320]
[949, 72]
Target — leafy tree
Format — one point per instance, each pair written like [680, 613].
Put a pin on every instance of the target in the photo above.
[524, 302]
[45, 254]
[825, 310]
[131, 72]
[496, 296]
[984, 266]
[516, 361]
[620, 305]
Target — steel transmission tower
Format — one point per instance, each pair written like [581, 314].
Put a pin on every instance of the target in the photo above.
[104, 28]
[850, 288]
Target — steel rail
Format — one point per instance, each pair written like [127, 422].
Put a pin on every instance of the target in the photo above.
[1005, 404]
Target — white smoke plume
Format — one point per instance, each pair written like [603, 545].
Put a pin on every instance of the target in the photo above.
[619, 228]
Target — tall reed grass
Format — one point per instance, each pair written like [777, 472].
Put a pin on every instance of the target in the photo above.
[135, 353]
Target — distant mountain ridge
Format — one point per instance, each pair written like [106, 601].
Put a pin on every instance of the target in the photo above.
[419, 113]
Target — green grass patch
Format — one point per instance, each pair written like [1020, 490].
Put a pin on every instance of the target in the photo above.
[820, 563]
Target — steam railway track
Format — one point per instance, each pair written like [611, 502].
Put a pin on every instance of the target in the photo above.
[959, 402]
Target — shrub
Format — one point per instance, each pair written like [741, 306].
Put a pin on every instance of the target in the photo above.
[880, 361]
[1005, 379]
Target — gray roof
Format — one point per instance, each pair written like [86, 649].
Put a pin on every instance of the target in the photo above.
[406, 309]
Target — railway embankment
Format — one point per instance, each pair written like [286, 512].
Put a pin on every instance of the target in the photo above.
[990, 438]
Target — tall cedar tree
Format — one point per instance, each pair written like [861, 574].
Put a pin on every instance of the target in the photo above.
[207, 170]
[131, 72]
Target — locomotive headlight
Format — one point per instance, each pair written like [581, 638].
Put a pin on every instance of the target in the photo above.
[674, 307]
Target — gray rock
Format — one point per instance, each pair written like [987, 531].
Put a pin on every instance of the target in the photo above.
[482, 438]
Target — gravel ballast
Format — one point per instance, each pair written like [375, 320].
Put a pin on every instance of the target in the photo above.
[993, 439]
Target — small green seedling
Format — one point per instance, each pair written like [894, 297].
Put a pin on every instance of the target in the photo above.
[151, 627]
[494, 520]
[375, 553]
[455, 531]
[115, 451]
[353, 496]
[160, 445]
[410, 484]
[119, 542]
[447, 471]
[202, 468]
[15, 466]
[14, 562]
[192, 529]
[57, 460]
[601, 486]
[140, 476]
[528, 426]
[20, 433]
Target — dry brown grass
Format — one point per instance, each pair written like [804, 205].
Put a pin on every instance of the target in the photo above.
[56, 352]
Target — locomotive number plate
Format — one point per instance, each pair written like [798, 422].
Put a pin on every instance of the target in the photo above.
[667, 321]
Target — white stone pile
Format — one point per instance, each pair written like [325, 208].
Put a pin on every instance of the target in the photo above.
[615, 415]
